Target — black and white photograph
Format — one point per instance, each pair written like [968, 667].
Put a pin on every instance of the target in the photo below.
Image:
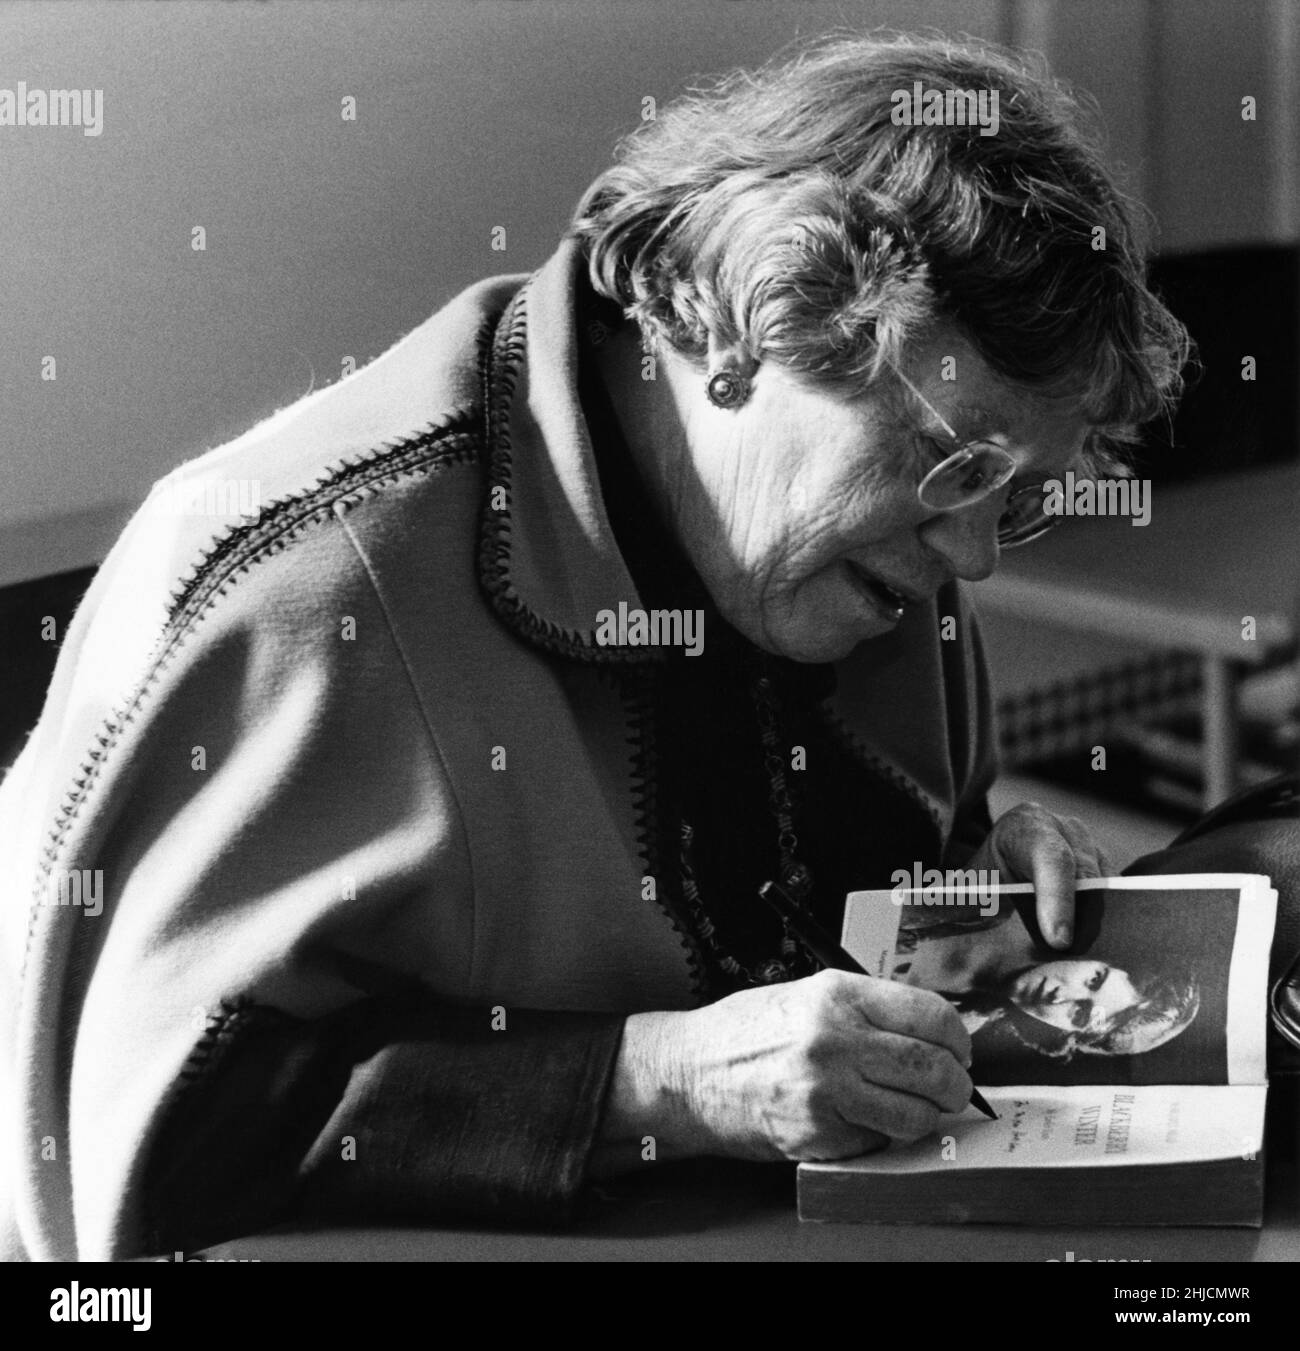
[516, 511]
[1124, 1013]
[1115, 1009]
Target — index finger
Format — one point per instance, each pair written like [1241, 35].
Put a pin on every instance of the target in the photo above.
[913, 1012]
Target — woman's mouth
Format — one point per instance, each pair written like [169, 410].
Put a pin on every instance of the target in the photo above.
[885, 600]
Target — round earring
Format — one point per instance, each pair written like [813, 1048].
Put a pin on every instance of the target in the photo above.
[727, 389]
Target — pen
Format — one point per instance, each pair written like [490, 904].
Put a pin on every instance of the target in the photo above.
[829, 953]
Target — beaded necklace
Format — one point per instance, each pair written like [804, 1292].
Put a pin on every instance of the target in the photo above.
[793, 961]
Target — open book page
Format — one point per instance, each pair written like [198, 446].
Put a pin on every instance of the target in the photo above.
[1166, 982]
[1085, 1127]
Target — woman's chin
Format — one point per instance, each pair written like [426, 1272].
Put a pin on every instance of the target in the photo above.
[820, 639]
[820, 622]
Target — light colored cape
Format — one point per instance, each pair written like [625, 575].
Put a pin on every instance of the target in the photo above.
[274, 741]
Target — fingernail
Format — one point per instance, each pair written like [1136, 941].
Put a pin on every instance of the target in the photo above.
[1062, 935]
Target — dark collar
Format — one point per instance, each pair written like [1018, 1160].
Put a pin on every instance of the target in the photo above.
[568, 530]
[549, 560]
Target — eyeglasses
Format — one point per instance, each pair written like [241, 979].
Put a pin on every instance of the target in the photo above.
[976, 470]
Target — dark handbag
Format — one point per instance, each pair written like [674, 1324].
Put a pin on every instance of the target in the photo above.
[1254, 831]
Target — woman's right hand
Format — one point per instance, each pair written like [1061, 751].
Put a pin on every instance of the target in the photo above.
[821, 1068]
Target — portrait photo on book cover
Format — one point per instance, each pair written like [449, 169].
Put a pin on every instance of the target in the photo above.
[1116, 1009]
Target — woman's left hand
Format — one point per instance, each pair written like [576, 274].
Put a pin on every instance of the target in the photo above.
[1031, 844]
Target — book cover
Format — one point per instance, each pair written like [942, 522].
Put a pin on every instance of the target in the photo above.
[1128, 1074]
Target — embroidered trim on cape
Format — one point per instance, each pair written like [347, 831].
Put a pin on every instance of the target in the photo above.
[233, 1017]
[499, 375]
[638, 689]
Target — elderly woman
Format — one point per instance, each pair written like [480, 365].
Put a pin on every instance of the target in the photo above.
[426, 887]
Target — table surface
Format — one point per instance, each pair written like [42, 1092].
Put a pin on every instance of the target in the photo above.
[739, 1212]
[1213, 552]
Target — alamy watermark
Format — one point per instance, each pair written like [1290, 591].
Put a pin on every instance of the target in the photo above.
[1098, 497]
[179, 1256]
[1070, 1257]
[75, 1303]
[634, 627]
[80, 887]
[238, 499]
[23, 107]
[921, 107]
[955, 886]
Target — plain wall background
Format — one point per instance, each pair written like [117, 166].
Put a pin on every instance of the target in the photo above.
[328, 238]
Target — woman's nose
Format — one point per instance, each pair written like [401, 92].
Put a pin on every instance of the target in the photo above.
[966, 539]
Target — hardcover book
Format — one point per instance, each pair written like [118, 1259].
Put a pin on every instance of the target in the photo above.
[1128, 1074]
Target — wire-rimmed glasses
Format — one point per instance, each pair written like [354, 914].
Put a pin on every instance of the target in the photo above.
[976, 470]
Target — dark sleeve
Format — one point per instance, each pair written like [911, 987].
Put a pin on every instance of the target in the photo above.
[385, 1111]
